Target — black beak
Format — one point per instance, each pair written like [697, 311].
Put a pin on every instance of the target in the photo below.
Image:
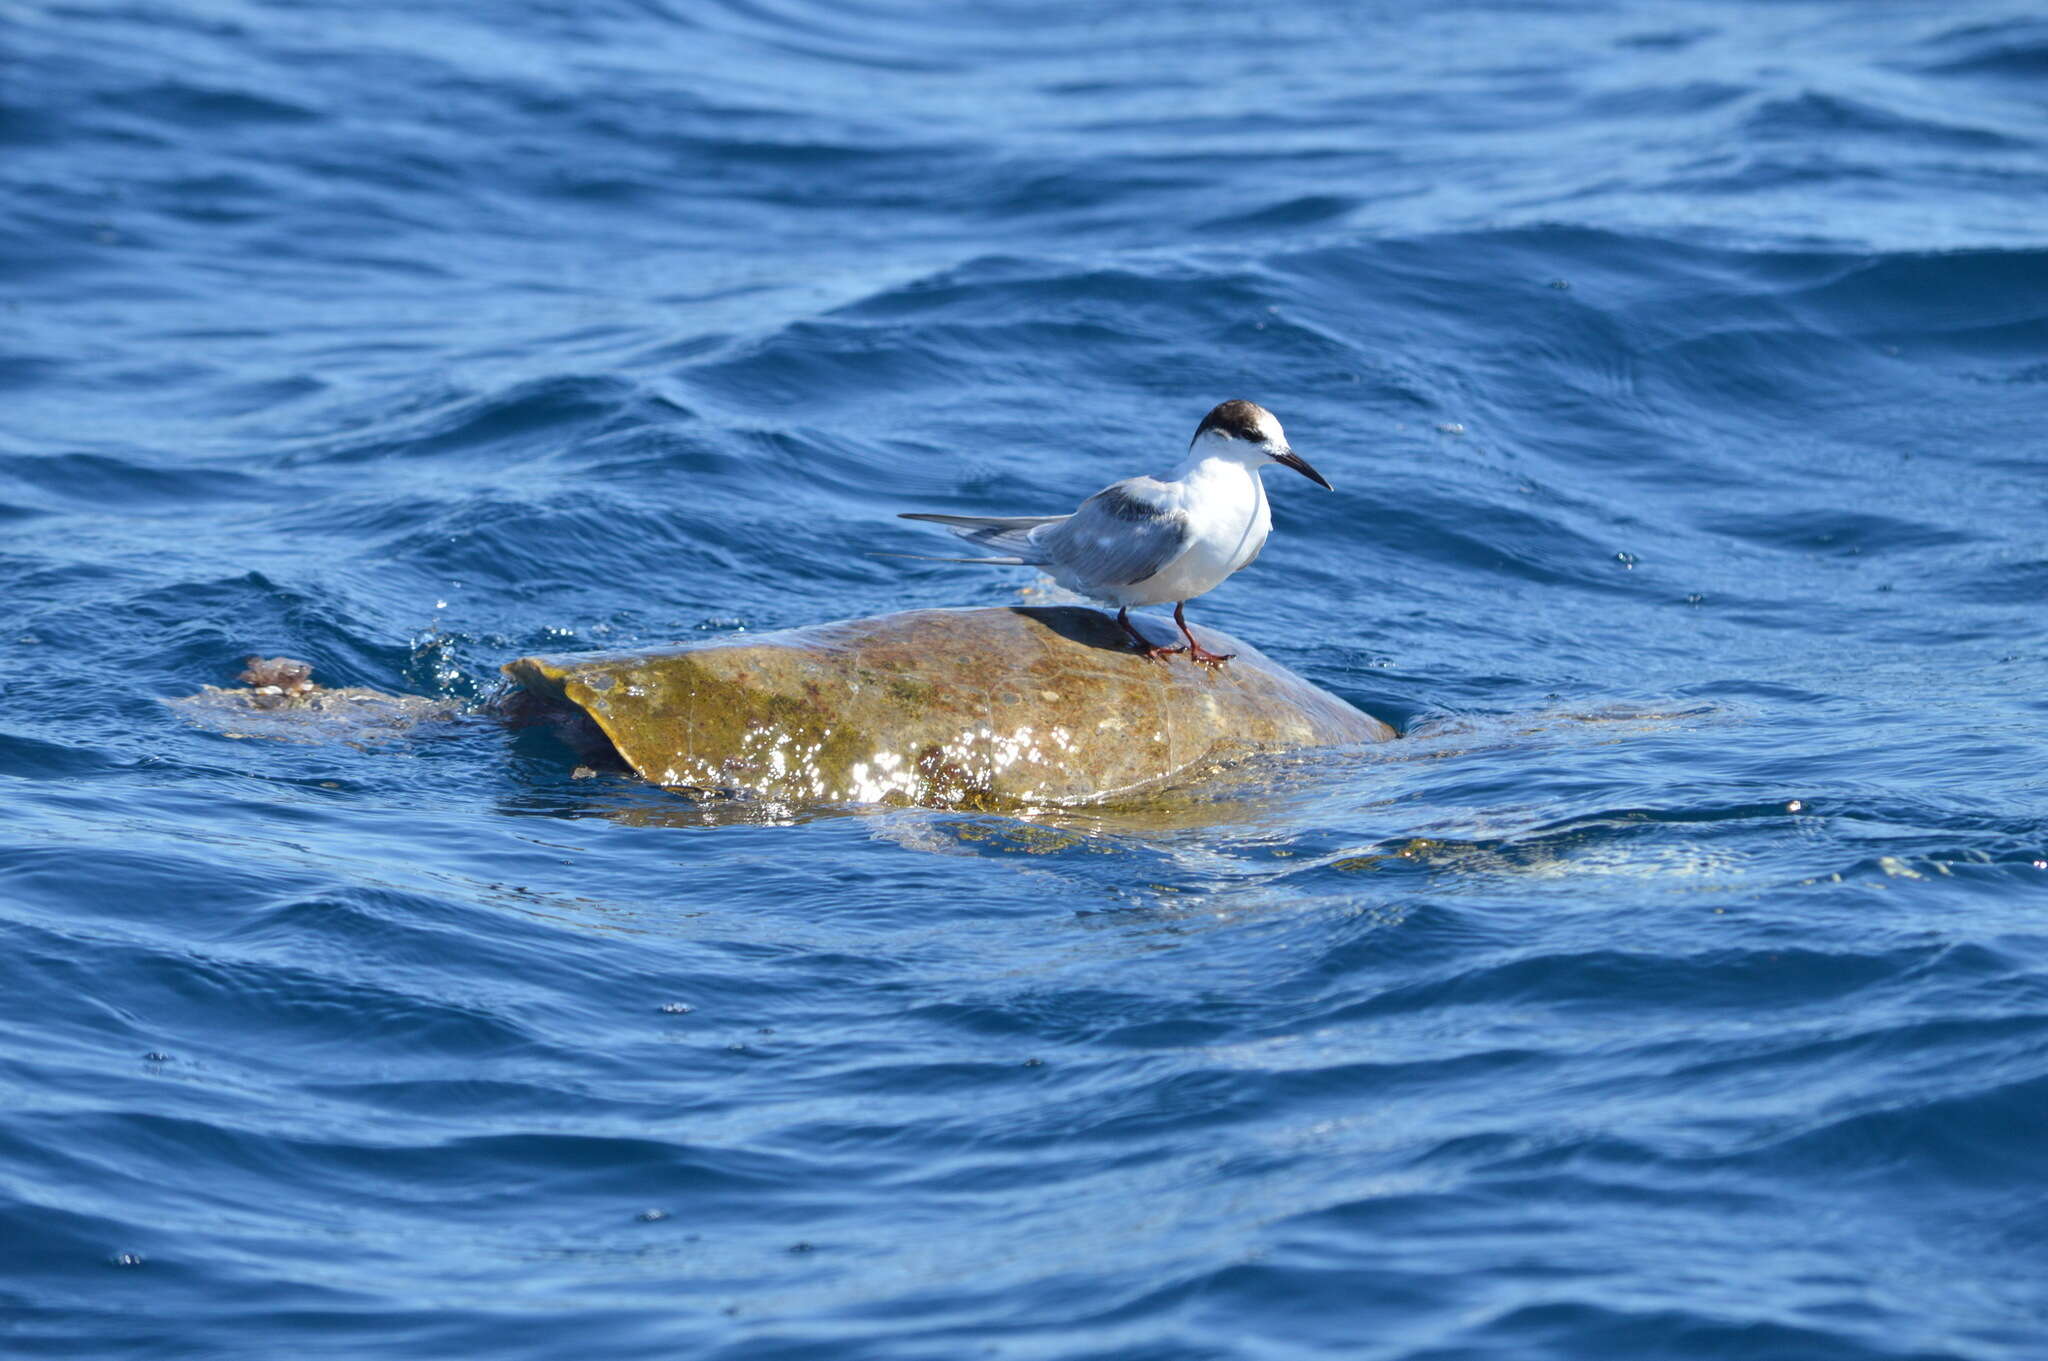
[1300, 465]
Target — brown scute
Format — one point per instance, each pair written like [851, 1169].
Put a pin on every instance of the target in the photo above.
[968, 708]
[1236, 418]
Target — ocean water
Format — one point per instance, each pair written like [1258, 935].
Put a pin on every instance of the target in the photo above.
[1676, 988]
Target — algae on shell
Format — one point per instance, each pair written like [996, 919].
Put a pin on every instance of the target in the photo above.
[979, 708]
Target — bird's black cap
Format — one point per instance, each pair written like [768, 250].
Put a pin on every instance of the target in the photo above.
[1236, 418]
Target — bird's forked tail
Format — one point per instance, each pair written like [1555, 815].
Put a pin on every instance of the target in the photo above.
[1009, 535]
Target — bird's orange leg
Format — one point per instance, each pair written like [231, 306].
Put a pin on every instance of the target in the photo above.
[1196, 652]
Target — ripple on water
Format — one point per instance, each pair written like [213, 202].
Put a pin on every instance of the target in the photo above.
[1673, 988]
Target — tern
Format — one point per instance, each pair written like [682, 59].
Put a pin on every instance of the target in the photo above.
[1148, 540]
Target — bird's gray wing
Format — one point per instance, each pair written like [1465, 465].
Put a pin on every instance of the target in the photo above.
[1010, 534]
[1123, 534]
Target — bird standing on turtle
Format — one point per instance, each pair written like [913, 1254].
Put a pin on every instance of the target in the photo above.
[1148, 540]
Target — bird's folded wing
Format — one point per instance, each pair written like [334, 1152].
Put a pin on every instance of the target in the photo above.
[1123, 534]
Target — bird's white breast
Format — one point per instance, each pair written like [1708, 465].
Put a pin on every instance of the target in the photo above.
[1228, 521]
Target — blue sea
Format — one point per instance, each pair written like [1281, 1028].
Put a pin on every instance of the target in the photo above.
[1675, 988]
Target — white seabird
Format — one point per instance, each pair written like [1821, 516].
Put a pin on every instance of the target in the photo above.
[1148, 540]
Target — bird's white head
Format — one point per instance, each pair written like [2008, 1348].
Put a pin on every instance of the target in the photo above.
[1249, 433]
